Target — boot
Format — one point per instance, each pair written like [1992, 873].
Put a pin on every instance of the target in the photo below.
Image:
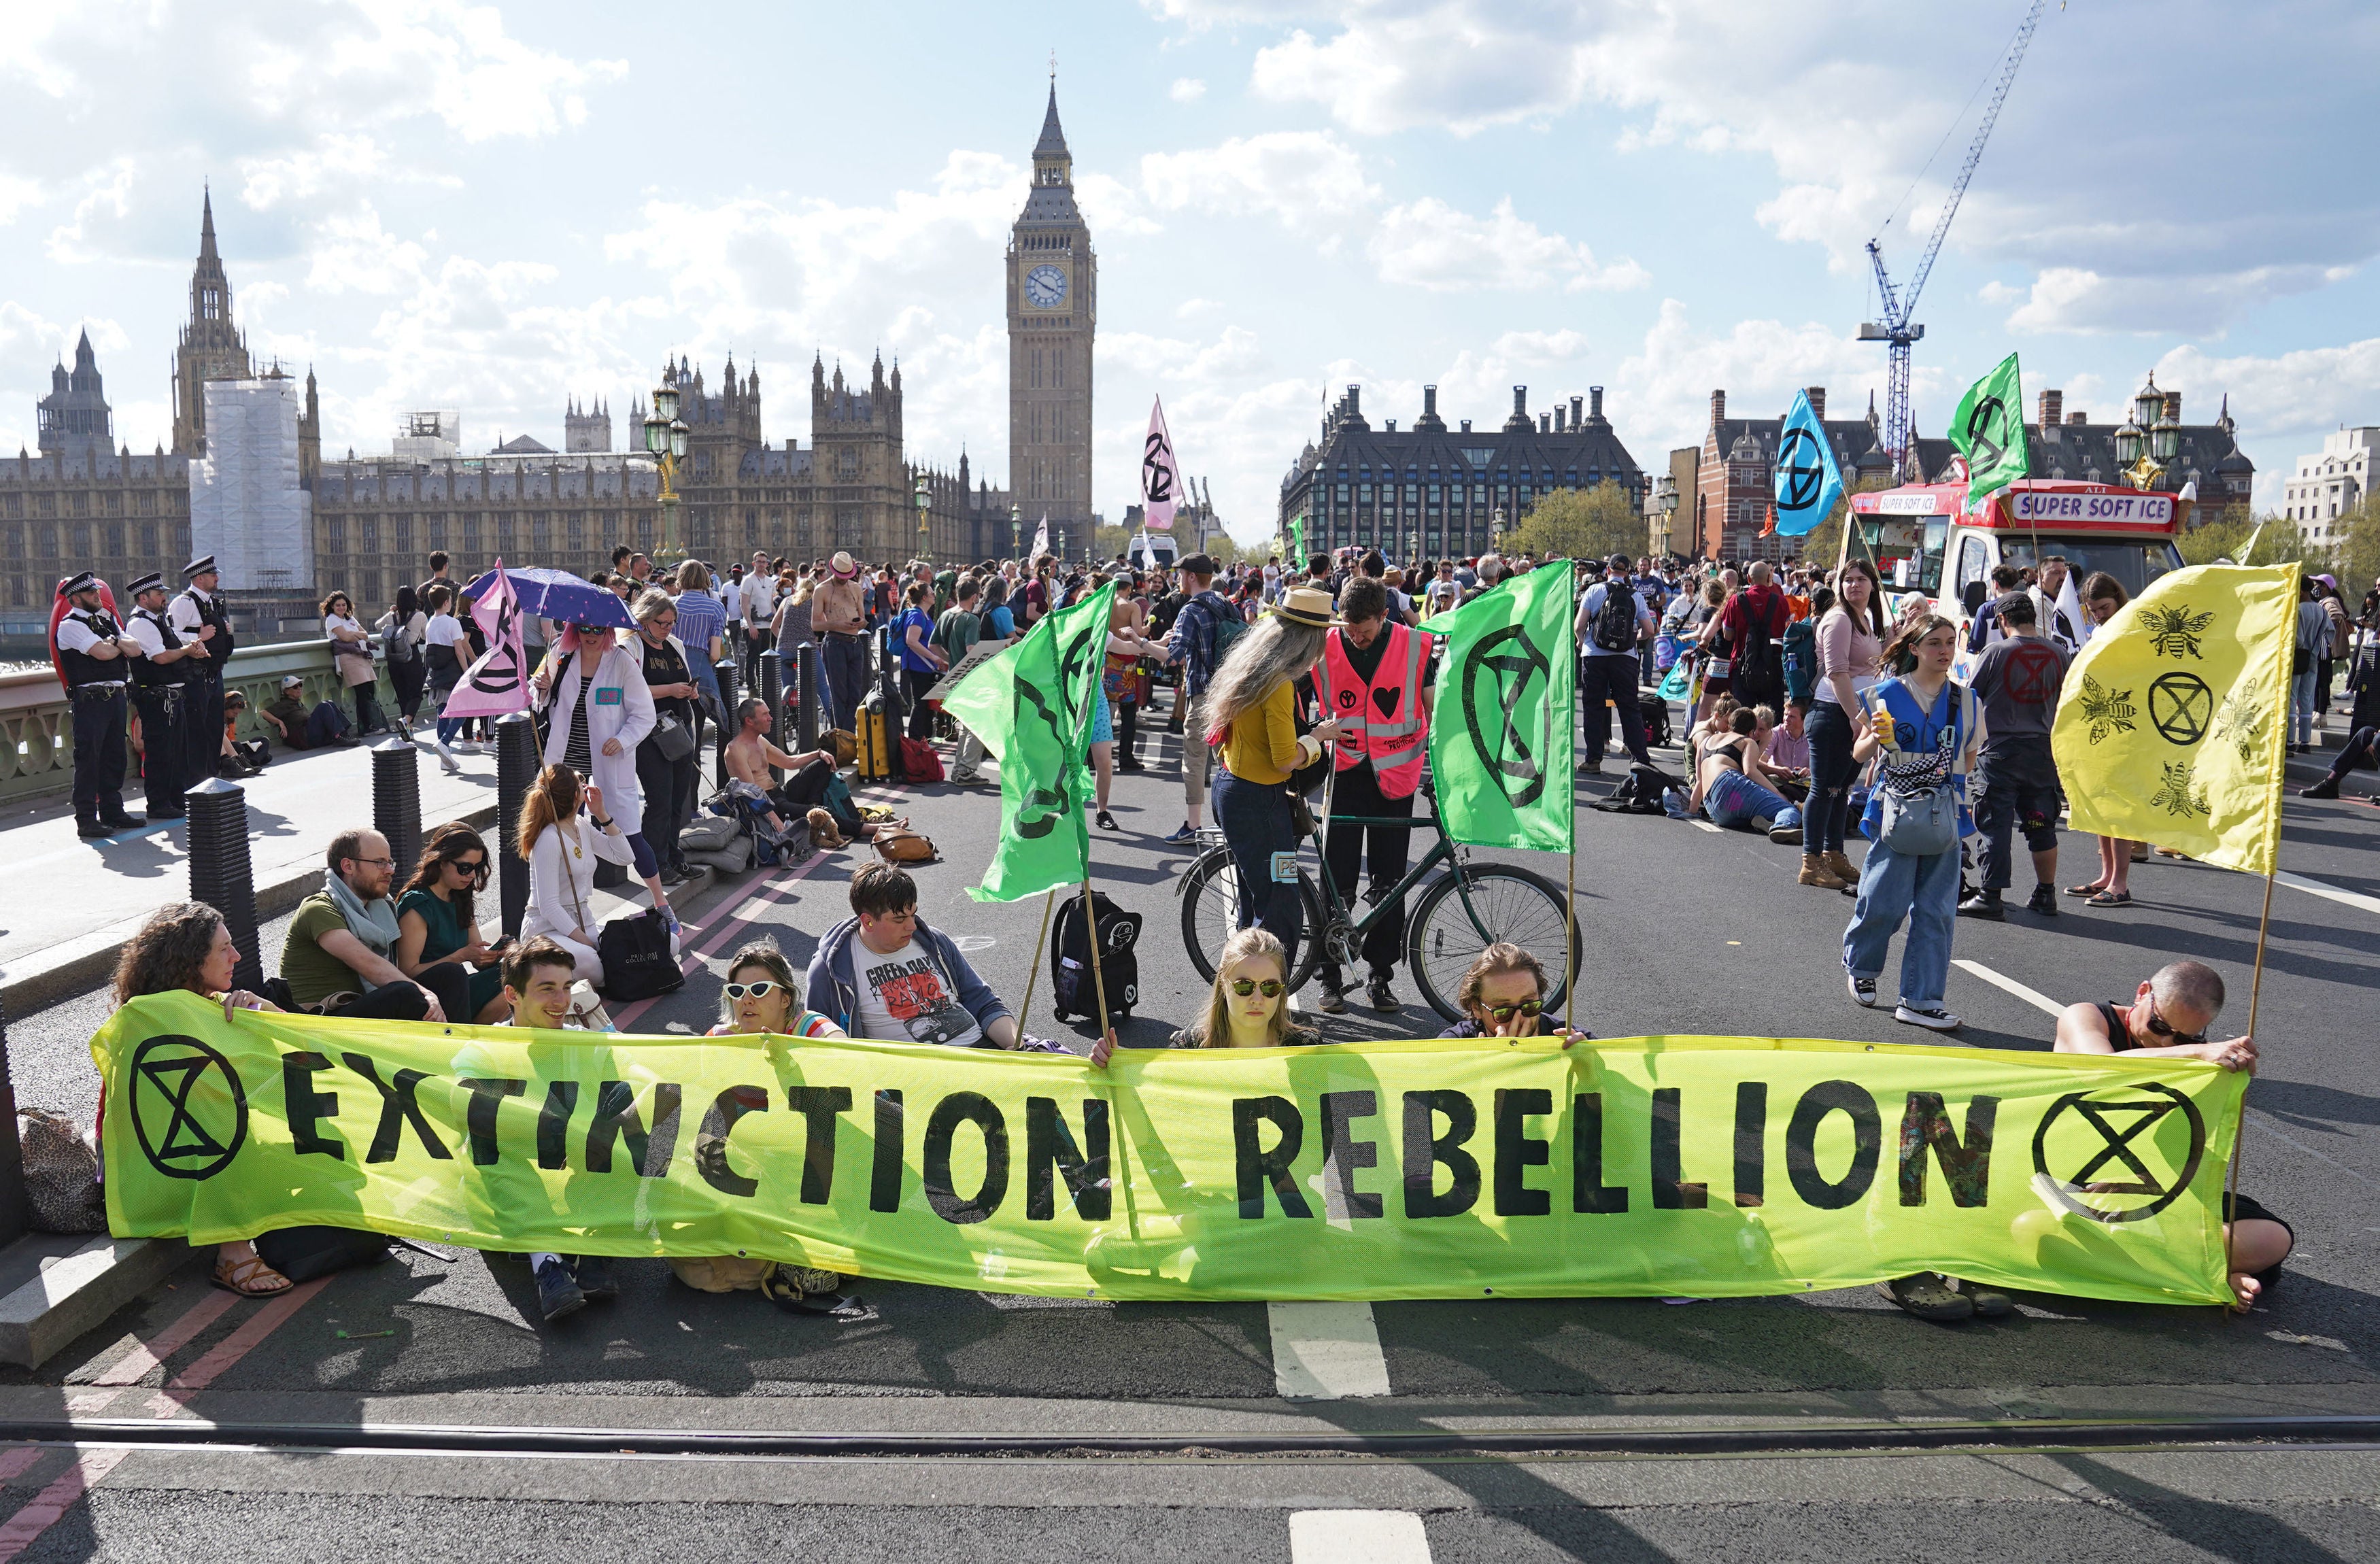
[88, 829]
[1815, 872]
[1985, 904]
[1842, 868]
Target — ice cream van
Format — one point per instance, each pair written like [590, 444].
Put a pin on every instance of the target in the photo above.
[1922, 539]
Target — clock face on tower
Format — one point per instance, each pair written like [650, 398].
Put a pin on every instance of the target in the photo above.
[1045, 287]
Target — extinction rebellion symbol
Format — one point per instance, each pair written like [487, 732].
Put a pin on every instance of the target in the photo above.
[1799, 459]
[2102, 1144]
[1987, 433]
[1509, 661]
[204, 1121]
[2181, 707]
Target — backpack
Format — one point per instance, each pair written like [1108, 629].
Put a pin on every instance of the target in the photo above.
[918, 761]
[1615, 622]
[1757, 672]
[639, 959]
[1225, 625]
[1073, 990]
[1801, 660]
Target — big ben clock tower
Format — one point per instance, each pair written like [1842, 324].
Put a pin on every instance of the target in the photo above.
[1053, 289]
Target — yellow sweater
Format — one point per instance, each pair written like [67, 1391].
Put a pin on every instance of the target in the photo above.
[1262, 745]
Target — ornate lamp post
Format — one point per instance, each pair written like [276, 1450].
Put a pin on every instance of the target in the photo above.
[925, 506]
[1496, 530]
[665, 441]
[2149, 438]
[1016, 530]
[1665, 502]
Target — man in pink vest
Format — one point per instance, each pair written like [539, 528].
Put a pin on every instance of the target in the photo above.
[1372, 681]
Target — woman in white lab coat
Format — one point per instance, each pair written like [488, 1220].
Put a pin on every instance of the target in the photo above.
[567, 827]
[598, 708]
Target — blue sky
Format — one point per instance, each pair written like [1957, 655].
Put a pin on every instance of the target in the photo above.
[495, 208]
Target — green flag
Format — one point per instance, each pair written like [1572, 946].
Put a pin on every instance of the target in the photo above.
[1297, 538]
[1032, 706]
[1989, 430]
[1500, 735]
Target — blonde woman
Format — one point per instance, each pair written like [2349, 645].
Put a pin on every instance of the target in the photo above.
[1251, 714]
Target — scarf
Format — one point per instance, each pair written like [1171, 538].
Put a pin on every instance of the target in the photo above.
[374, 923]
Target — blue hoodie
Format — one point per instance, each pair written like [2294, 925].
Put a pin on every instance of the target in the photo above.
[833, 989]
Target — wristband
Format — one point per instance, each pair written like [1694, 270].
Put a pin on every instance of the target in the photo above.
[601, 824]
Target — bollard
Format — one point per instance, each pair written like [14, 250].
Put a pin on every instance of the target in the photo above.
[772, 690]
[516, 773]
[12, 1155]
[221, 875]
[397, 802]
[731, 695]
[806, 700]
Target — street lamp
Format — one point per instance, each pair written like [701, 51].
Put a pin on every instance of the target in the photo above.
[1665, 500]
[665, 442]
[1016, 530]
[1496, 530]
[2149, 438]
[925, 505]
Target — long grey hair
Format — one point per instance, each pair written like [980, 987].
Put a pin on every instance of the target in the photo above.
[1270, 655]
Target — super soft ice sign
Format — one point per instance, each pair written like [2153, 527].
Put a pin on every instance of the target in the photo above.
[2143, 510]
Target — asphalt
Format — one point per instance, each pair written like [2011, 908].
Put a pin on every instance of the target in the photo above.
[1685, 931]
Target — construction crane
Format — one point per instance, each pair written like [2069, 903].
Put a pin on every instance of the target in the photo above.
[1894, 330]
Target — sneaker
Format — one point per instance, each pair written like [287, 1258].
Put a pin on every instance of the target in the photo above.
[1929, 1297]
[1863, 989]
[593, 1273]
[2042, 900]
[558, 1292]
[1933, 1018]
[1383, 998]
[447, 759]
[1181, 834]
[1333, 1001]
[1107, 821]
[965, 778]
[1789, 836]
[1590, 767]
[1983, 904]
[2327, 788]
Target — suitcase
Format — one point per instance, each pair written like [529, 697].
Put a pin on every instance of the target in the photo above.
[878, 752]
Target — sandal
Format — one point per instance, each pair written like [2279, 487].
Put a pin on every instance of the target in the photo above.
[250, 1277]
[2110, 898]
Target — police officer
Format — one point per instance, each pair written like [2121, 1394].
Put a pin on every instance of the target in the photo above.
[158, 697]
[92, 650]
[201, 614]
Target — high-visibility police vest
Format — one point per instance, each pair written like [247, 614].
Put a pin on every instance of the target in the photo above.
[1382, 720]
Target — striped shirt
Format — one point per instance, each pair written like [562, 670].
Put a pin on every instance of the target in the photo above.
[700, 616]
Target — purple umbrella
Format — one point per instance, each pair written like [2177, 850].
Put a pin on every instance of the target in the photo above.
[561, 596]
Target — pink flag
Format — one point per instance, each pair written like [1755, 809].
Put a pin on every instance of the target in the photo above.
[1158, 480]
[497, 683]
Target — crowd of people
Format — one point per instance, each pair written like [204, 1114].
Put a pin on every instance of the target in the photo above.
[1814, 712]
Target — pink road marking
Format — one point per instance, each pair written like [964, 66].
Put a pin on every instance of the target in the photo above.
[24, 1527]
[12, 1463]
[145, 1355]
[232, 1348]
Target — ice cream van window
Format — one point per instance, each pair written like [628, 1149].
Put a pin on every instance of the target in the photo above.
[1907, 549]
[2133, 563]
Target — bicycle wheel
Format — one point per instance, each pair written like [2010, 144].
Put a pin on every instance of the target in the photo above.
[1210, 914]
[1508, 905]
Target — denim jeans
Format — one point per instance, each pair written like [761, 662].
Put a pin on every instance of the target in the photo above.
[1258, 824]
[1924, 891]
[2301, 710]
[1734, 799]
[1831, 772]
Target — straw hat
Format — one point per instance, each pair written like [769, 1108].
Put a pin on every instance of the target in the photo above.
[1305, 605]
[845, 566]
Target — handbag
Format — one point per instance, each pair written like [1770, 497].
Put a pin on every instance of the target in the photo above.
[1925, 821]
[637, 962]
[672, 737]
[904, 846]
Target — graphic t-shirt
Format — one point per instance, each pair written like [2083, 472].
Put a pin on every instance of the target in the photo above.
[903, 998]
[2017, 681]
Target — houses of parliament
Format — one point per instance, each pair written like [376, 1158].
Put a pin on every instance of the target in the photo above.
[246, 480]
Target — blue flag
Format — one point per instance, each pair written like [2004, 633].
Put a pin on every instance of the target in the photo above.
[1808, 481]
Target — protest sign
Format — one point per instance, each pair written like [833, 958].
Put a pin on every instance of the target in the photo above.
[1442, 1168]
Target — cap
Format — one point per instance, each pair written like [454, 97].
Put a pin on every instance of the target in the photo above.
[844, 565]
[293, 679]
[152, 582]
[80, 581]
[203, 566]
[1305, 605]
[1198, 565]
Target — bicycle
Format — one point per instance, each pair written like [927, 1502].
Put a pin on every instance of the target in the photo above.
[1460, 912]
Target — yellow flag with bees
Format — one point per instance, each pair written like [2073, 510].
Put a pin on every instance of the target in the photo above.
[2171, 724]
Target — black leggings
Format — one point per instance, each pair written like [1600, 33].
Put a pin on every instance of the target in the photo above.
[1832, 771]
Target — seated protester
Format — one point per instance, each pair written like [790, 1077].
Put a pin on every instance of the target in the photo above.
[343, 935]
[1248, 1007]
[537, 974]
[804, 795]
[758, 999]
[1502, 995]
[883, 973]
[1784, 747]
[1731, 787]
[186, 945]
[2169, 1017]
[437, 934]
[239, 756]
[563, 833]
[300, 727]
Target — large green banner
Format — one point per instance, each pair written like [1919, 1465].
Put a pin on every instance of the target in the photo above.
[1439, 1168]
[1501, 731]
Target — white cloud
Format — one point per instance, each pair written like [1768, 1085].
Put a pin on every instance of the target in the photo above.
[2285, 403]
[1662, 391]
[2069, 298]
[1187, 90]
[333, 162]
[1429, 244]
[1305, 178]
[352, 250]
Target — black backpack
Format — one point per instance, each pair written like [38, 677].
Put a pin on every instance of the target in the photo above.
[634, 951]
[1757, 672]
[1615, 624]
[1072, 988]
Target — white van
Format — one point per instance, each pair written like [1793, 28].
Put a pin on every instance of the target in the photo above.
[1152, 551]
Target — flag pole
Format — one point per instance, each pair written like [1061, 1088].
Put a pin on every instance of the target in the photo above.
[1092, 923]
[1033, 972]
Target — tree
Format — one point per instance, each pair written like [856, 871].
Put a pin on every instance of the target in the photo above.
[2277, 542]
[2357, 556]
[1593, 523]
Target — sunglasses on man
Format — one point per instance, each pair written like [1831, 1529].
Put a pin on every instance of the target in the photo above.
[2161, 1027]
[1506, 1012]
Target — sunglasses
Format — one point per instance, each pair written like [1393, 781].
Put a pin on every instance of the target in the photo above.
[757, 990]
[1243, 987]
[2164, 1028]
[1506, 1012]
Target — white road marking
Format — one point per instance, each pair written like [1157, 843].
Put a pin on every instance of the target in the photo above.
[1327, 1351]
[2316, 887]
[1357, 1536]
[1703, 825]
[2033, 997]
